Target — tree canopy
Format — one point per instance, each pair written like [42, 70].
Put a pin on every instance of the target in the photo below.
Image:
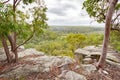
[97, 9]
[15, 23]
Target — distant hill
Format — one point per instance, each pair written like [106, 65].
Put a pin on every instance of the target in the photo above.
[76, 29]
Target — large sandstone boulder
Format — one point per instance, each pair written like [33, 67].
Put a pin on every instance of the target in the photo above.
[94, 53]
[37, 64]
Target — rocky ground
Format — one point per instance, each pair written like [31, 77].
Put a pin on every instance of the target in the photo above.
[34, 65]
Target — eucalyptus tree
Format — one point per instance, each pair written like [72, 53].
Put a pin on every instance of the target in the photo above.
[15, 24]
[106, 11]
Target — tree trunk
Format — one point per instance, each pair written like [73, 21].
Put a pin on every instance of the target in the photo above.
[10, 38]
[109, 15]
[6, 49]
[15, 34]
[15, 46]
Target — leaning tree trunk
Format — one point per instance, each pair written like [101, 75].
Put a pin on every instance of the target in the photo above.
[109, 15]
[6, 49]
[10, 39]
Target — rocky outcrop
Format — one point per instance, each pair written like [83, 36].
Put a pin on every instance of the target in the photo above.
[85, 55]
[29, 52]
[21, 53]
[32, 61]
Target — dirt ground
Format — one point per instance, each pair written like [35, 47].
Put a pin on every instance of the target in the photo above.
[113, 73]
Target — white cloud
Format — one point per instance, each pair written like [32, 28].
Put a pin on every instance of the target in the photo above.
[67, 12]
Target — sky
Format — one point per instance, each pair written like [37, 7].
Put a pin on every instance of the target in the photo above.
[68, 13]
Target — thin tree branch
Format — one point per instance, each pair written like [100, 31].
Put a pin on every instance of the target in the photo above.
[17, 2]
[117, 29]
[116, 17]
[5, 1]
[25, 40]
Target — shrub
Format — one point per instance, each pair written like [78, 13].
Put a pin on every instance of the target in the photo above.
[114, 40]
[94, 39]
[76, 40]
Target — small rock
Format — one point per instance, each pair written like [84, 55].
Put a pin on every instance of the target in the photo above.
[87, 61]
[89, 68]
[105, 72]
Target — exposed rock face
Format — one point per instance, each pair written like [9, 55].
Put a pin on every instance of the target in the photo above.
[94, 53]
[71, 75]
[2, 55]
[37, 62]
[89, 68]
[33, 61]
[28, 52]
[21, 53]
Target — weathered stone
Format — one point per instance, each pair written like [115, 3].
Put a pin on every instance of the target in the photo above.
[89, 68]
[87, 61]
[22, 70]
[71, 75]
[94, 53]
[2, 54]
[28, 52]
[39, 64]
[113, 63]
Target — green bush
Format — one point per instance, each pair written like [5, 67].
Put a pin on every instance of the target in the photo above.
[76, 40]
[65, 52]
[115, 40]
[29, 45]
[94, 39]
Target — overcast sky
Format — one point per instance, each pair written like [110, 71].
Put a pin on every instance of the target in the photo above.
[68, 12]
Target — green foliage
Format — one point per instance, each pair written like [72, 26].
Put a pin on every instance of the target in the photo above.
[117, 6]
[115, 40]
[53, 43]
[28, 1]
[20, 25]
[49, 35]
[55, 48]
[96, 9]
[65, 52]
[94, 39]
[76, 40]
[6, 21]
[38, 23]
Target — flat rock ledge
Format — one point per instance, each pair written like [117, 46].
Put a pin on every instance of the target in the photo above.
[34, 62]
[91, 54]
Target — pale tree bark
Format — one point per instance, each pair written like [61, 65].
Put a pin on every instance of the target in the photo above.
[109, 15]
